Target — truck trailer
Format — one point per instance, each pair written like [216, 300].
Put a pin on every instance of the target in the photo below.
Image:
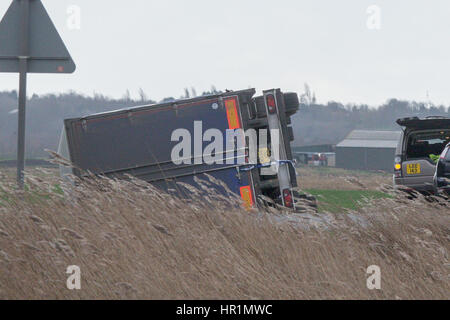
[164, 144]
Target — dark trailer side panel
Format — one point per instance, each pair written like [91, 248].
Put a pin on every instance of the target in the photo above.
[137, 141]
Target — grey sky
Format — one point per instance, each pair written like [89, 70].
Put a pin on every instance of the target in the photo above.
[165, 46]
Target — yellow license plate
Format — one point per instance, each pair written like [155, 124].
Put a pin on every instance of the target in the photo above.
[413, 168]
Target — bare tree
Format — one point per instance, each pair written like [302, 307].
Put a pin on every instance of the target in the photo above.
[194, 92]
[307, 98]
[127, 96]
[187, 95]
[142, 95]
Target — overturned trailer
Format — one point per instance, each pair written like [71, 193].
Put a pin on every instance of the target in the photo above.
[180, 141]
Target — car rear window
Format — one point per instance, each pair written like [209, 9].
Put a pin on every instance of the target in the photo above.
[424, 144]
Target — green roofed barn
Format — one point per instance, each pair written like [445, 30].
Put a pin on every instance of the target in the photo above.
[368, 150]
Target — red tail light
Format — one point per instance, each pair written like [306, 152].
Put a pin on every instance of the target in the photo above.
[287, 196]
[271, 104]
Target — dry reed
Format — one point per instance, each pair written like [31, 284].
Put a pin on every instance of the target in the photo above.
[133, 242]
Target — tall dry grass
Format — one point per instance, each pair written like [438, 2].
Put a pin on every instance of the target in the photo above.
[133, 242]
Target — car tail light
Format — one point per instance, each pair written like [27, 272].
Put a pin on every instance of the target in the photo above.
[246, 195]
[287, 197]
[271, 104]
[398, 167]
[232, 113]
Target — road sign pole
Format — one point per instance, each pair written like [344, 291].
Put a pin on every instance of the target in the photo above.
[21, 124]
[46, 54]
[23, 69]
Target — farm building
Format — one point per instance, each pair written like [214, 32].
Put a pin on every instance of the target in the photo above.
[368, 150]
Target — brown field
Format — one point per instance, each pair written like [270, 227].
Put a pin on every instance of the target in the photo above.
[132, 242]
[334, 178]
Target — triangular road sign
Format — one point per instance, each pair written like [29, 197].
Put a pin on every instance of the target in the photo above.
[47, 52]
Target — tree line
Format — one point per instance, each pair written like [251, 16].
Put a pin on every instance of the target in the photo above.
[315, 123]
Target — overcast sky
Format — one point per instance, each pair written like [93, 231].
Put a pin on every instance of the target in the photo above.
[165, 46]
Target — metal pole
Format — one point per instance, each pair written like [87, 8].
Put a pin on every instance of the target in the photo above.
[23, 68]
[21, 124]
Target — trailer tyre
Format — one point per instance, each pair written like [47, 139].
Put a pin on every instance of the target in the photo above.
[260, 107]
[291, 103]
[305, 201]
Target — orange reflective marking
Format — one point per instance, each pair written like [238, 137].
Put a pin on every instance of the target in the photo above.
[246, 194]
[232, 113]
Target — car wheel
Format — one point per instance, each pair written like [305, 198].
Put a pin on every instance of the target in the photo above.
[291, 103]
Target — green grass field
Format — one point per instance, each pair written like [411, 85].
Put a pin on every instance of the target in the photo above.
[341, 200]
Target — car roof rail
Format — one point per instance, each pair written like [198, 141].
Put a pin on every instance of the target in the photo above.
[436, 117]
[408, 118]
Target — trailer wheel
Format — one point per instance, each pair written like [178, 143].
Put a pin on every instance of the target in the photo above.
[291, 103]
[305, 201]
[260, 107]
